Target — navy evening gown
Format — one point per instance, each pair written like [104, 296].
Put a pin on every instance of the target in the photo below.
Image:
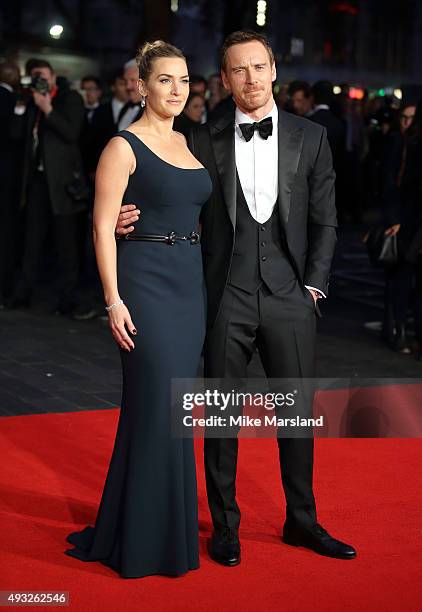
[147, 521]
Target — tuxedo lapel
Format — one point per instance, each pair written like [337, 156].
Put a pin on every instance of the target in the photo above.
[290, 141]
[222, 137]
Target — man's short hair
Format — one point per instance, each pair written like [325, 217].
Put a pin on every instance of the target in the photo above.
[296, 86]
[9, 72]
[35, 62]
[116, 76]
[197, 78]
[323, 92]
[132, 63]
[243, 36]
[93, 79]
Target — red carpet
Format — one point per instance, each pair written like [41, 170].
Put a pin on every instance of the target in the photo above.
[368, 493]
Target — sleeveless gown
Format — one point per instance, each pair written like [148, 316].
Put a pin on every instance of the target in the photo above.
[147, 520]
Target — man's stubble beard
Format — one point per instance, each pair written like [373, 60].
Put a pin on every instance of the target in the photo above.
[250, 107]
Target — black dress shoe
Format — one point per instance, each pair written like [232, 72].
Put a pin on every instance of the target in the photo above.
[224, 547]
[319, 540]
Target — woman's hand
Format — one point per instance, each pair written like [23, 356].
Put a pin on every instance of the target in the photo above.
[393, 230]
[120, 321]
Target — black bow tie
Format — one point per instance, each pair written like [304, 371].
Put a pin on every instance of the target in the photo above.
[264, 127]
[125, 108]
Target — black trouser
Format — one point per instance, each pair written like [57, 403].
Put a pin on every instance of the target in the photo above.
[417, 305]
[398, 291]
[282, 326]
[9, 246]
[39, 221]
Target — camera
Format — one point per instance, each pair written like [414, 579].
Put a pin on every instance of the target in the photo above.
[28, 85]
[39, 84]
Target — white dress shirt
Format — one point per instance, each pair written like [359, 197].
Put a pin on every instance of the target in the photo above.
[317, 108]
[6, 86]
[257, 167]
[128, 117]
[90, 110]
[116, 107]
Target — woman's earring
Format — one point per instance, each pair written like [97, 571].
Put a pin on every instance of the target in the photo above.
[143, 102]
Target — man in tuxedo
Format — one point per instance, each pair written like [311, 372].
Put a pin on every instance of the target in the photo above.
[268, 238]
[107, 115]
[323, 97]
[132, 110]
[90, 141]
[322, 113]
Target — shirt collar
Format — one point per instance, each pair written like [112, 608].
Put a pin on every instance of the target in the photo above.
[7, 86]
[242, 118]
[90, 107]
[321, 107]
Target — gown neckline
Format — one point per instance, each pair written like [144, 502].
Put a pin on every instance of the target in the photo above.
[160, 158]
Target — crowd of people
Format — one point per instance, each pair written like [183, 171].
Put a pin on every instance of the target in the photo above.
[53, 133]
[377, 154]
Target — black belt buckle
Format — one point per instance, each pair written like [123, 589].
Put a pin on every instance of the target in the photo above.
[171, 238]
[194, 237]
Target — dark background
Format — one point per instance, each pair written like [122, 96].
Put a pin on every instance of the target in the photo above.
[370, 42]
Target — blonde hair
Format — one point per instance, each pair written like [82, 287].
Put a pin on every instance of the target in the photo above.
[150, 51]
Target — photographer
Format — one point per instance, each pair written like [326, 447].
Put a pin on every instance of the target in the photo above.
[53, 189]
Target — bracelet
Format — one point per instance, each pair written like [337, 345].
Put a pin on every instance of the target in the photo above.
[108, 308]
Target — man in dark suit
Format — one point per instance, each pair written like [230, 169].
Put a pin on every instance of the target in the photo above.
[268, 237]
[90, 142]
[10, 165]
[107, 115]
[51, 126]
[133, 109]
[323, 97]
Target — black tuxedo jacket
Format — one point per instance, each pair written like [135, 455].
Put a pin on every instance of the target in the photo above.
[306, 202]
[105, 126]
[336, 133]
[9, 145]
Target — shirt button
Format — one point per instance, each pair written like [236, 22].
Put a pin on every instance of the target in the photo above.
[262, 228]
[263, 258]
[263, 243]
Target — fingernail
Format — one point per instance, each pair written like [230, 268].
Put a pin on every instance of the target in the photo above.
[134, 331]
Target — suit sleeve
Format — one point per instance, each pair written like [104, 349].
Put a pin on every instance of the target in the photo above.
[67, 122]
[322, 218]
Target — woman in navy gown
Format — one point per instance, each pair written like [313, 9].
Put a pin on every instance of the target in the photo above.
[154, 289]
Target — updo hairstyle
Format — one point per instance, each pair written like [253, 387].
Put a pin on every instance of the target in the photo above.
[151, 51]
